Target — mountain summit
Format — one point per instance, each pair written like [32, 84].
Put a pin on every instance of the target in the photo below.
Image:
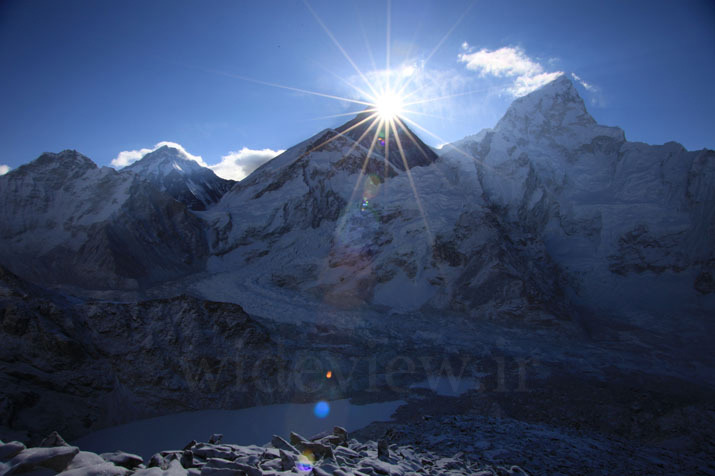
[173, 172]
[368, 131]
[554, 113]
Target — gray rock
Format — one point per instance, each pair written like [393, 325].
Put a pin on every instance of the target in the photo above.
[287, 461]
[102, 469]
[55, 459]
[341, 432]
[345, 452]
[173, 469]
[206, 452]
[296, 439]
[187, 459]
[281, 444]
[85, 458]
[155, 471]
[319, 450]
[320, 472]
[156, 461]
[215, 439]
[383, 450]
[120, 458]
[207, 471]
[9, 450]
[53, 439]
[219, 463]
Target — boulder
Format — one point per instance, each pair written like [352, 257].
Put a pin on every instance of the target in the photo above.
[341, 432]
[53, 439]
[223, 467]
[56, 459]
[287, 461]
[281, 444]
[206, 452]
[173, 469]
[102, 469]
[383, 450]
[120, 458]
[9, 450]
[85, 458]
[296, 439]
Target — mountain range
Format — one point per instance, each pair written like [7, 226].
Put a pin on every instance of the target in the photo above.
[549, 221]
[546, 211]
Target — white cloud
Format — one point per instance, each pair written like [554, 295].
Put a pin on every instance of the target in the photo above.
[128, 157]
[588, 86]
[509, 62]
[237, 165]
[4, 169]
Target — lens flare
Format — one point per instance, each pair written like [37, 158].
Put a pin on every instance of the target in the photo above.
[329, 374]
[364, 205]
[305, 461]
[388, 105]
[321, 409]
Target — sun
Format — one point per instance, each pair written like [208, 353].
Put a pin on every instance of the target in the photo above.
[388, 105]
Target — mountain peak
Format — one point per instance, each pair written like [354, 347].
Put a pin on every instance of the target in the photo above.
[416, 152]
[173, 171]
[165, 160]
[68, 161]
[554, 110]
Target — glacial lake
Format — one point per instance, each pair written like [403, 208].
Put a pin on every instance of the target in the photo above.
[255, 425]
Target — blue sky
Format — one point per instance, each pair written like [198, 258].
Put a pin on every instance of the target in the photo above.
[105, 77]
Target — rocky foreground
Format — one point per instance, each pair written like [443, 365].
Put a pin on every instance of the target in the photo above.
[327, 453]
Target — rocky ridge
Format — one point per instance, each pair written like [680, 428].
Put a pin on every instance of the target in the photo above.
[330, 454]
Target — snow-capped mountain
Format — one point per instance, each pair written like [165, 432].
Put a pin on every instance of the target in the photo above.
[327, 220]
[544, 214]
[549, 238]
[174, 173]
[398, 143]
[632, 225]
[67, 222]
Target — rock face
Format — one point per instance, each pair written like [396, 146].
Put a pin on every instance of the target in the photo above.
[175, 174]
[350, 458]
[76, 366]
[67, 222]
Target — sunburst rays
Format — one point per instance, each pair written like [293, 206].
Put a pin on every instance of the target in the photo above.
[389, 99]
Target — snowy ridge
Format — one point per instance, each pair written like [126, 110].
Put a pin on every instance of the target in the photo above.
[68, 222]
